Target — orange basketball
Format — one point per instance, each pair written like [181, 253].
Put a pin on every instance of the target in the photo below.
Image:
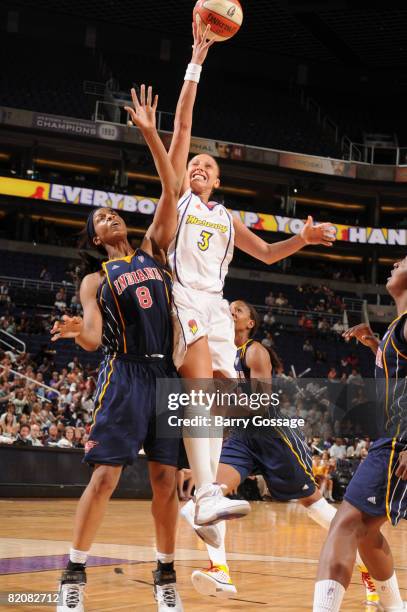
[224, 16]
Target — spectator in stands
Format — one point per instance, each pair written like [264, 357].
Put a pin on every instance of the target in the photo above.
[45, 275]
[36, 435]
[281, 301]
[270, 299]
[323, 326]
[67, 440]
[338, 328]
[23, 438]
[338, 449]
[355, 378]
[268, 341]
[307, 346]
[19, 401]
[9, 416]
[9, 425]
[60, 300]
[333, 375]
[53, 436]
[5, 439]
[4, 294]
[269, 319]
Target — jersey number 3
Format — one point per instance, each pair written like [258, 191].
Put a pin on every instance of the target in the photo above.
[203, 244]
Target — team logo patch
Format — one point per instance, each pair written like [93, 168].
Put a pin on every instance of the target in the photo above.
[379, 361]
[193, 326]
[90, 444]
[141, 258]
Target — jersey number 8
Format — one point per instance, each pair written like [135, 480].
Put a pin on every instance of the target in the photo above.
[144, 297]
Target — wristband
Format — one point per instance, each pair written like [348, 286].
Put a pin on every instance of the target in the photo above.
[193, 73]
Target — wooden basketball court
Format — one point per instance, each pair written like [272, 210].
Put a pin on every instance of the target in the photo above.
[273, 557]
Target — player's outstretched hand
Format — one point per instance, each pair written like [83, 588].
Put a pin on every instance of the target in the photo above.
[69, 327]
[201, 44]
[321, 233]
[362, 332]
[401, 471]
[143, 113]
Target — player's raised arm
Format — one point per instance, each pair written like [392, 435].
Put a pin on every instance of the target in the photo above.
[86, 331]
[247, 241]
[143, 115]
[181, 139]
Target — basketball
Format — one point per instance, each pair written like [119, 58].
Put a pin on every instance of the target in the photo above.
[224, 16]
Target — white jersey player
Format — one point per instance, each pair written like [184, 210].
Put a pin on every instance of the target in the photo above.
[199, 257]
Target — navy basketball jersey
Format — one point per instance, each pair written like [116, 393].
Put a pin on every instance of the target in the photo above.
[391, 378]
[135, 302]
[242, 371]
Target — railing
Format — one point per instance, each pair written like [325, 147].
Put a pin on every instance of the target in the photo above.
[6, 338]
[298, 312]
[372, 154]
[39, 384]
[29, 283]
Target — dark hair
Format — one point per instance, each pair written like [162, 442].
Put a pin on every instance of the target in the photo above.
[89, 263]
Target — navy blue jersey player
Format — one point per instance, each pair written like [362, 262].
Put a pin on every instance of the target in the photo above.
[377, 492]
[281, 456]
[126, 310]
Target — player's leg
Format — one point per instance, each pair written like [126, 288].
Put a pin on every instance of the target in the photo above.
[89, 515]
[323, 514]
[370, 498]
[164, 509]
[236, 463]
[204, 452]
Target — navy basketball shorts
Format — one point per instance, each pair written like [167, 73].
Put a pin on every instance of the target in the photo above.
[284, 460]
[375, 489]
[124, 418]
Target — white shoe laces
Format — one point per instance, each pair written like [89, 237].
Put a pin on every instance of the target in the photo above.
[73, 596]
[167, 594]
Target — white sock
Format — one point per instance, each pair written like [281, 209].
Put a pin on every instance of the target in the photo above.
[328, 595]
[215, 449]
[164, 557]
[199, 457]
[218, 555]
[78, 556]
[321, 512]
[389, 593]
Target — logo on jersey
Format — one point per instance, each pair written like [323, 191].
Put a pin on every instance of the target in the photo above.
[379, 358]
[115, 267]
[193, 326]
[90, 444]
[141, 258]
[193, 220]
[372, 500]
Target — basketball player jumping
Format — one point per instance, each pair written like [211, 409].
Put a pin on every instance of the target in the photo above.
[199, 257]
[126, 310]
[281, 456]
[378, 491]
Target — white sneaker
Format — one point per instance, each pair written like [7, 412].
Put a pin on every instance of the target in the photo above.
[168, 599]
[71, 592]
[394, 609]
[212, 506]
[214, 581]
[210, 534]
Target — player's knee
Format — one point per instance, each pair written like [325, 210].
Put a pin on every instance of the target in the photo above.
[104, 481]
[349, 522]
[164, 483]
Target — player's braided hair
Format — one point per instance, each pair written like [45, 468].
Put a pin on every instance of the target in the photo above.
[254, 315]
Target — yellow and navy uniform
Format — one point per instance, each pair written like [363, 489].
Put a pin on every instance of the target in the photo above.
[280, 454]
[375, 489]
[134, 300]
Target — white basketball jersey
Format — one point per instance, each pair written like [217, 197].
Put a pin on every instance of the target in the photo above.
[200, 253]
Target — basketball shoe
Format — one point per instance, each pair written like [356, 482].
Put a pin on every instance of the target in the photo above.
[71, 591]
[165, 588]
[212, 506]
[209, 534]
[214, 581]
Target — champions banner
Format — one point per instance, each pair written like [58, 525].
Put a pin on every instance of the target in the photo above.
[66, 194]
